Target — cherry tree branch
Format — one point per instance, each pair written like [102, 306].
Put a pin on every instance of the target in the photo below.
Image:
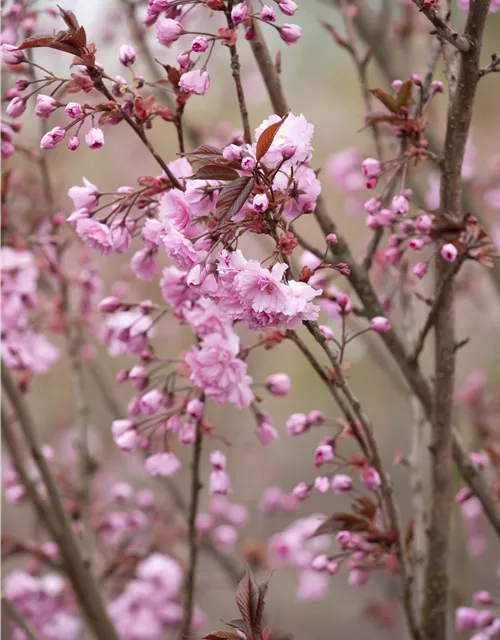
[236, 72]
[18, 619]
[434, 611]
[85, 587]
[443, 30]
[196, 485]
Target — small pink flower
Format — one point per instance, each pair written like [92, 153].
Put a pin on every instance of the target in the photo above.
[162, 464]
[302, 491]
[465, 619]
[380, 324]
[331, 238]
[290, 33]
[195, 81]
[324, 453]
[321, 484]
[168, 31]
[371, 168]
[127, 441]
[126, 55]
[183, 59]
[45, 105]
[11, 54]
[194, 409]
[316, 418]
[483, 597]
[341, 483]
[232, 152]
[95, 235]
[84, 197]
[278, 384]
[51, 139]
[424, 223]
[248, 164]
[449, 252]
[94, 138]
[199, 44]
[143, 264]
[239, 12]
[319, 563]
[218, 460]
[16, 107]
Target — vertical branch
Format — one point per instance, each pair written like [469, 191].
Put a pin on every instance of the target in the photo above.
[434, 612]
[236, 71]
[190, 586]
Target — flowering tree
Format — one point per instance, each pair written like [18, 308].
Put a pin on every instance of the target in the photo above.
[109, 567]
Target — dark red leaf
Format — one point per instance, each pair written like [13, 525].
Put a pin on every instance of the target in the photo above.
[233, 196]
[404, 94]
[386, 99]
[342, 522]
[266, 138]
[69, 18]
[215, 172]
[221, 635]
[247, 597]
[42, 41]
[204, 150]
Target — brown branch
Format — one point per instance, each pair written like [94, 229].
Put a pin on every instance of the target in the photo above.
[83, 583]
[190, 584]
[443, 30]
[434, 611]
[18, 619]
[236, 72]
[493, 67]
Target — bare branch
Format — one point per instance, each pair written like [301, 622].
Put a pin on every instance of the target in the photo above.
[443, 30]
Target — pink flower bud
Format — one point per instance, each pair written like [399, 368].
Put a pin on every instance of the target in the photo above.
[372, 205]
[380, 324]
[437, 86]
[16, 107]
[319, 563]
[152, 401]
[290, 33]
[183, 59]
[260, 203]
[341, 483]
[278, 384]
[94, 138]
[315, 418]
[420, 269]
[45, 105]
[288, 7]
[288, 150]
[449, 252]
[74, 110]
[162, 464]
[109, 305]
[266, 433]
[331, 238]
[416, 244]
[194, 409]
[321, 484]
[232, 152]
[371, 479]
[225, 537]
[128, 441]
[204, 522]
[332, 567]
[397, 84]
[483, 597]
[424, 223]
[11, 54]
[344, 303]
[302, 491]
[248, 164]
[416, 80]
[465, 619]
[326, 331]
[126, 55]
[400, 205]
[371, 168]
[479, 460]
[121, 492]
[73, 143]
[324, 453]
[199, 44]
[267, 13]
[239, 12]
[218, 460]
[358, 577]
[168, 31]
[195, 81]
[51, 139]
[219, 483]
[297, 424]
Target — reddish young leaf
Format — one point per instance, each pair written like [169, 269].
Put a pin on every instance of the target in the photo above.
[69, 18]
[222, 635]
[341, 522]
[215, 172]
[266, 138]
[205, 150]
[233, 196]
[386, 99]
[404, 93]
[247, 598]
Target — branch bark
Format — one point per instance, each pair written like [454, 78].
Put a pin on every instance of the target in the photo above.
[434, 611]
[461, 42]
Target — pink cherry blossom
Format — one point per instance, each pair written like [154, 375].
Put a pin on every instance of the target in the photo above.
[162, 464]
[195, 81]
[51, 139]
[168, 31]
[95, 235]
[45, 105]
[94, 138]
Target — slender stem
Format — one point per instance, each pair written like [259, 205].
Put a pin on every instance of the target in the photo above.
[19, 620]
[434, 611]
[83, 583]
[236, 70]
[461, 42]
[190, 585]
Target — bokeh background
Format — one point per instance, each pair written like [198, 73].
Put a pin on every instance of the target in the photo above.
[320, 82]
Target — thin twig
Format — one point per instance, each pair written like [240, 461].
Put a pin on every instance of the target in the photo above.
[236, 72]
[19, 620]
[190, 583]
[461, 42]
[493, 66]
